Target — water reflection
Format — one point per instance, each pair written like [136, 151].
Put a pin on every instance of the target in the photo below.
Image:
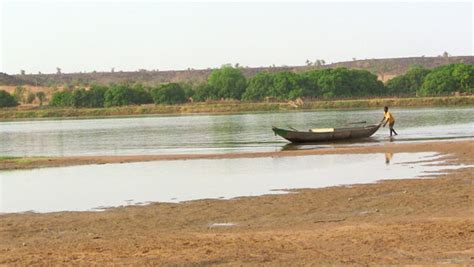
[99, 186]
[388, 158]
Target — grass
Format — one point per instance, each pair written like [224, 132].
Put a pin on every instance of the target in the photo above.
[230, 107]
[8, 158]
[20, 160]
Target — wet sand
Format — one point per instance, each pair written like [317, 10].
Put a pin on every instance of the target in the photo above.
[415, 221]
[42, 162]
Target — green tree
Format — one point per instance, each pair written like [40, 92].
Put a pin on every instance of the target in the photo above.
[205, 91]
[118, 95]
[364, 83]
[310, 81]
[141, 94]
[464, 74]
[7, 100]
[61, 99]
[171, 93]
[335, 83]
[79, 98]
[258, 87]
[96, 96]
[123, 94]
[188, 90]
[286, 85]
[448, 79]
[229, 82]
[409, 83]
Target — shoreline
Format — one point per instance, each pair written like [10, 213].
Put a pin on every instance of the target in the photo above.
[412, 221]
[18, 163]
[229, 107]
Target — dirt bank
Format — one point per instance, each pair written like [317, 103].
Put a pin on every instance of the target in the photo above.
[418, 221]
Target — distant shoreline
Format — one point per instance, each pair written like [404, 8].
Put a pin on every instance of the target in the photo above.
[228, 107]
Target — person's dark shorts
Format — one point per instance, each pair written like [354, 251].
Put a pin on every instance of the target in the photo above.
[391, 125]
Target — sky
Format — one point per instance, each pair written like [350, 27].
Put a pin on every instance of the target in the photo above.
[99, 35]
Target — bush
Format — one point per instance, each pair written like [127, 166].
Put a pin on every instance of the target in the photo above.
[409, 83]
[258, 87]
[229, 82]
[171, 93]
[96, 96]
[325, 83]
[448, 79]
[121, 95]
[7, 100]
[61, 99]
[205, 92]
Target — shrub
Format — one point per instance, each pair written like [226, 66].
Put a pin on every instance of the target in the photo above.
[229, 82]
[7, 100]
[171, 93]
[61, 99]
[121, 95]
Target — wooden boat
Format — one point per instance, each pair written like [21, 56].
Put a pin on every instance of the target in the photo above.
[326, 134]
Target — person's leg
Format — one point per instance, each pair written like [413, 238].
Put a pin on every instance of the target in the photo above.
[394, 132]
[391, 129]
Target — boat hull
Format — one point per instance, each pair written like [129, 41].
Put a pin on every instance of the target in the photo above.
[336, 135]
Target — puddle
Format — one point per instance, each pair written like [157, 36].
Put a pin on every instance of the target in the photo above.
[98, 187]
[221, 225]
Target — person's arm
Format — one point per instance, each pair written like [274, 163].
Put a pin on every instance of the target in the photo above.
[383, 121]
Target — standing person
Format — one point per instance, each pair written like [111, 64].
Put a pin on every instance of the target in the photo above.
[388, 117]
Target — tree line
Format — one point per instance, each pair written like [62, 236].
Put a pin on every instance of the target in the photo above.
[443, 80]
[229, 83]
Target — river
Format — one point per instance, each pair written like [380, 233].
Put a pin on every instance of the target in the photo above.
[215, 133]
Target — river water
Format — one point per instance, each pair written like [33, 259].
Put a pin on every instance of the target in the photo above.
[216, 133]
[95, 187]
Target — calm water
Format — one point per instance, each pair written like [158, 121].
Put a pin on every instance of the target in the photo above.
[213, 133]
[92, 187]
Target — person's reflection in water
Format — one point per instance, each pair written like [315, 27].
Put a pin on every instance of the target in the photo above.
[388, 158]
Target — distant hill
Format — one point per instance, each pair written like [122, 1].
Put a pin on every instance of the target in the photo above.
[6, 79]
[385, 69]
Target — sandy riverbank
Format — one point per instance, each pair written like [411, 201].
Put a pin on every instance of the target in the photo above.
[41, 162]
[418, 221]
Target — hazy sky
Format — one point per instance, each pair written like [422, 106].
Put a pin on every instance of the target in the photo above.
[87, 36]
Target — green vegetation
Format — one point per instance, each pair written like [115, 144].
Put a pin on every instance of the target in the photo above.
[171, 93]
[233, 107]
[442, 80]
[229, 83]
[7, 100]
[122, 95]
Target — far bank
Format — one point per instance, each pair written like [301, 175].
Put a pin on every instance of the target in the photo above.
[224, 107]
